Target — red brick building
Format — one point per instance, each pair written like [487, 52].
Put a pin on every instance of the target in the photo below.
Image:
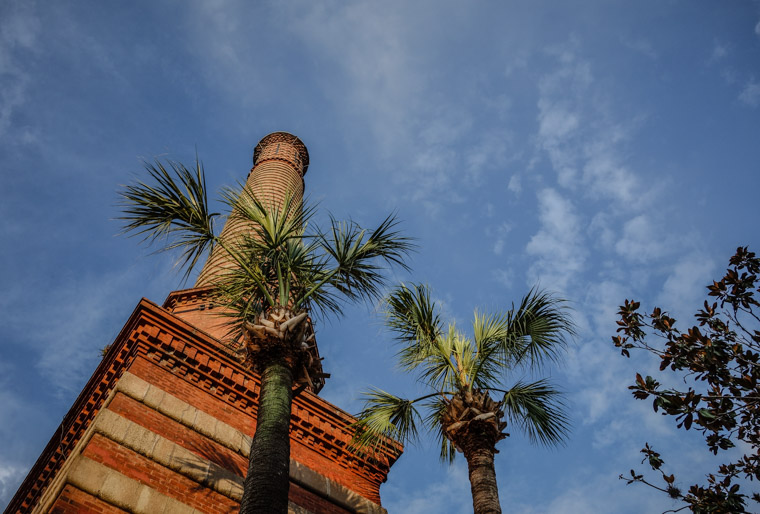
[165, 422]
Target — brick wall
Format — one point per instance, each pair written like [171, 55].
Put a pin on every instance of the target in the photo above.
[75, 501]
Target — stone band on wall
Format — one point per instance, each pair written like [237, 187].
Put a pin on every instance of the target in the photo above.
[123, 492]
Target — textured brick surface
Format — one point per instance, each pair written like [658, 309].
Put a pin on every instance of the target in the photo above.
[313, 503]
[73, 501]
[124, 492]
[159, 478]
[179, 434]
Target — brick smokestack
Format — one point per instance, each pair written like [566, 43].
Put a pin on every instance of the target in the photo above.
[280, 161]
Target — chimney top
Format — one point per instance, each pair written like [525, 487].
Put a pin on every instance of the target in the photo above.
[283, 137]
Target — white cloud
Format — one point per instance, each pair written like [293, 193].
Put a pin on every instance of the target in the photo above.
[630, 418]
[757, 28]
[719, 51]
[684, 289]
[602, 172]
[750, 95]
[499, 236]
[641, 45]
[379, 73]
[604, 391]
[10, 478]
[504, 276]
[451, 496]
[556, 124]
[597, 490]
[515, 184]
[558, 245]
[602, 300]
[577, 134]
[517, 61]
[642, 241]
[224, 46]
[69, 325]
[490, 152]
[19, 29]
[600, 230]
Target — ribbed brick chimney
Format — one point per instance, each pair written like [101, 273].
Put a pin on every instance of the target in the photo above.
[280, 161]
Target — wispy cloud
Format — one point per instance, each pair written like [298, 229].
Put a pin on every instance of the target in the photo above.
[719, 51]
[578, 134]
[557, 247]
[641, 241]
[750, 95]
[19, 30]
[515, 184]
[504, 277]
[10, 478]
[596, 491]
[499, 236]
[69, 325]
[684, 288]
[452, 495]
[642, 46]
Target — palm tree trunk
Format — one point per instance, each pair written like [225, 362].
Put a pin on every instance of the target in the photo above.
[268, 480]
[485, 492]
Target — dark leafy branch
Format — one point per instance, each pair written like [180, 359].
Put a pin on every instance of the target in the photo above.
[719, 362]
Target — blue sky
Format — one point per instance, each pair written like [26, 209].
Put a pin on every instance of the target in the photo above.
[605, 150]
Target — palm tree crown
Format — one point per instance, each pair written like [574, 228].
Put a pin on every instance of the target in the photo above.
[468, 405]
[275, 262]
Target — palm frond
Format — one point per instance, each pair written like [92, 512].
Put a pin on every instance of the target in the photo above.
[537, 408]
[271, 224]
[489, 332]
[356, 255]
[385, 415]
[434, 419]
[436, 363]
[174, 207]
[538, 331]
[411, 315]
[489, 329]
[466, 358]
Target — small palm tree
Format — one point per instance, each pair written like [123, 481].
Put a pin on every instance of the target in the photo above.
[468, 407]
[276, 274]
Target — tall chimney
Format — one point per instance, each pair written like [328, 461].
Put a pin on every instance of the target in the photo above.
[280, 161]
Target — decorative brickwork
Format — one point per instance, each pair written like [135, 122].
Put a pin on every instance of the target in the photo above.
[164, 388]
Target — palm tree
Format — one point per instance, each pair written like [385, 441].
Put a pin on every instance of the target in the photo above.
[467, 405]
[277, 274]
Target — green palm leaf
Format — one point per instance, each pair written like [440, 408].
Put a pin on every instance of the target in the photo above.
[434, 419]
[538, 330]
[436, 364]
[386, 415]
[354, 254]
[410, 314]
[538, 409]
[174, 209]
